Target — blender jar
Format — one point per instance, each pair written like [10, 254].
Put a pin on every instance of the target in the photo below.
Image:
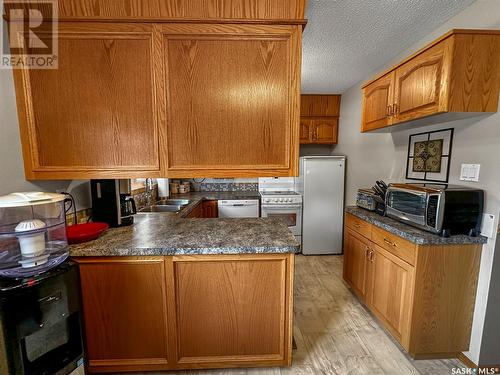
[32, 233]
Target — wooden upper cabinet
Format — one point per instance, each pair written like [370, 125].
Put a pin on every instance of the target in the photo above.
[96, 114]
[456, 76]
[325, 130]
[305, 133]
[175, 9]
[377, 103]
[231, 99]
[320, 105]
[319, 118]
[164, 100]
[420, 85]
[322, 130]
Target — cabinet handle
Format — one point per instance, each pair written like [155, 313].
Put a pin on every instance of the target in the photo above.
[367, 252]
[357, 226]
[372, 256]
[395, 109]
[388, 111]
[389, 242]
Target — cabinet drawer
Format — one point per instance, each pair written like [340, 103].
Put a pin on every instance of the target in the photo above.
[394, 244]
[358, 225]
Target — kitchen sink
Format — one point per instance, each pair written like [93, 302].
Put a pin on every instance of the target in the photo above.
[176, 202]
[166, 205]
[162, 208]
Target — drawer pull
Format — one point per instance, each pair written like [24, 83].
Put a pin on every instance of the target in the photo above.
[389, 242]
[357, 226]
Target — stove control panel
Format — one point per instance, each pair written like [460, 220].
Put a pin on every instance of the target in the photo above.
[282, 200]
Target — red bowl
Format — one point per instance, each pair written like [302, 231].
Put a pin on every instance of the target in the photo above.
[84, 232]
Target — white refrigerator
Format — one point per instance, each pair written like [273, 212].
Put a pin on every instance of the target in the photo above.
[321, 183]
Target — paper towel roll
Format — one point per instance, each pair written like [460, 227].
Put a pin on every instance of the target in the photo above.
[163, 189]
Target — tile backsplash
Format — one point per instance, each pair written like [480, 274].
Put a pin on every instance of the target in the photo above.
[82, 216]
[224, 186]
[142, 199]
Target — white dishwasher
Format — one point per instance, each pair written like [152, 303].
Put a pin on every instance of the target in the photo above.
[238, 208]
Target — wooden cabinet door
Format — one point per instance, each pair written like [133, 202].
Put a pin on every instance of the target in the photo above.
[95, 115]
[325, 131]
[125, 312]
[232, 99]
[420, 85]
[305, 131]
[356, 250]
[210, 209]
[320, 105]
[197, 211]
[390, 289]
[233, 309]
[377, 103]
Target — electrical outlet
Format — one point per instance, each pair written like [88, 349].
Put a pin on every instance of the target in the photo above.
[470, 172]
[488, 226]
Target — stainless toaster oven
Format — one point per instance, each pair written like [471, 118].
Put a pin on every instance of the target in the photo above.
[441, 209]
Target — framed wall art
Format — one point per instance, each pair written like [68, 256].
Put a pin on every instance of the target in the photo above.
[429, 156]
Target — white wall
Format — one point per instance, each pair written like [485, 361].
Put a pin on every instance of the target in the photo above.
[374, 156]
[11, 161]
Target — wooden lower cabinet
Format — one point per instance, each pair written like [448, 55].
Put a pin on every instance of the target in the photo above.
[210, 209]
[196, 212]
[423, 295]
[356, 250]
[390, 286]
[187, 312]
[205, 209]
[125, 313]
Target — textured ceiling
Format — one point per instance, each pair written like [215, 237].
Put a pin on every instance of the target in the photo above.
[346, 40]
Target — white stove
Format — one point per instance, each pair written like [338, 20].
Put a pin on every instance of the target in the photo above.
[279, 199]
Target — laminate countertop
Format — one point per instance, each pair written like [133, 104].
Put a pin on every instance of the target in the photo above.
[172, 234]
[415, 235]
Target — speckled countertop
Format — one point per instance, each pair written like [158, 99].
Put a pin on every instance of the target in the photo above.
[172, 234]
[410, 233]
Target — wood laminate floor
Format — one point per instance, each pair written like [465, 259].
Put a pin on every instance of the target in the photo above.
[335, 334]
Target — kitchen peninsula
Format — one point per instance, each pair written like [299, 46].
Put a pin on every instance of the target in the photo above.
[174, 293]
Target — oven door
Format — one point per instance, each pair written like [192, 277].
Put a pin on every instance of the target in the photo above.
[406, 205]
[290, 215]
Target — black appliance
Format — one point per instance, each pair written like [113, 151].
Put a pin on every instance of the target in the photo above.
[40, 323]
[112, 202]
[441, 209]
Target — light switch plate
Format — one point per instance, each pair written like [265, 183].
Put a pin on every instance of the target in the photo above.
[470, 172]
[488, 226]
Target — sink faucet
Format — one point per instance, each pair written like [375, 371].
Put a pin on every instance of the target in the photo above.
[149, 191]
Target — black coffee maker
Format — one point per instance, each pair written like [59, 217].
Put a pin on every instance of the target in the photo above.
[112, 202]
